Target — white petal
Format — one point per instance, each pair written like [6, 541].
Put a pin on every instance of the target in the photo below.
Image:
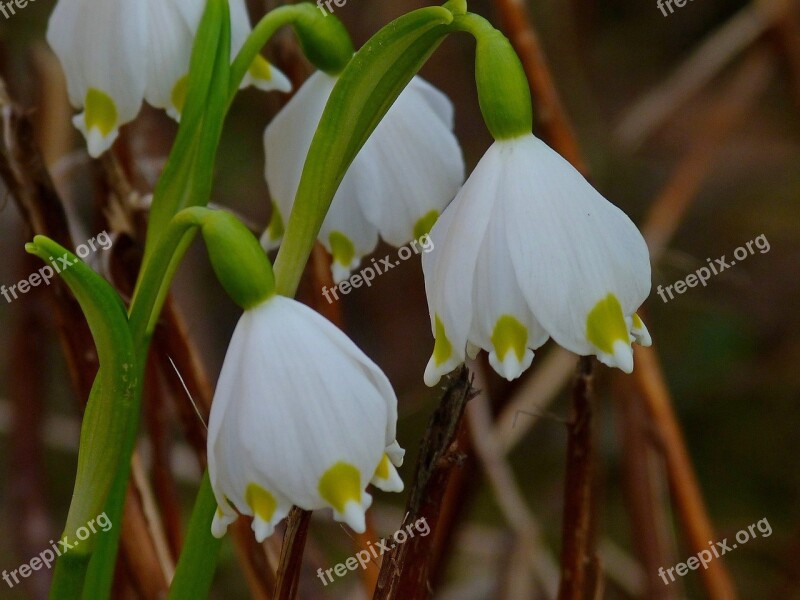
[355, 514]
[219, 525]
[449, 268]
[409, 167]
[395, 453]
[639, 331]
[570, 247]
[266, 77]
[502, 324]
[390, 481]
[297, 406]
[437, 100]
[345, 223]
[102, 46]
[171, 26]
[288, 137]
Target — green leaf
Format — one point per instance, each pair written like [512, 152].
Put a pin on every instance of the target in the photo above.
[365, 91]
[109, 418]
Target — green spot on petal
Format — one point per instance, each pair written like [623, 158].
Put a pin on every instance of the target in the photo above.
[101, 112]
[261, 501]
[275, 227]
[509, 334]
[340, 484]
[637, 322]
[342, 248]
[606, 324]
[442, 349]
[178, 96]
[425, 224]
[260, 69]
[383, 471]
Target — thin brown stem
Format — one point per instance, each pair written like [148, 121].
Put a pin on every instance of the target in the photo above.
[647, 502]
[406, 567]
[292, 554]
[686, 493]
[140, 553]
[578, 559]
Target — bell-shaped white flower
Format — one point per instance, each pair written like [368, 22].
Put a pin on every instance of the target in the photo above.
[398, 184]
[116, 53]
[529, 250]
[300, 417]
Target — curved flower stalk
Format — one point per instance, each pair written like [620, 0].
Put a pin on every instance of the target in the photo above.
[528, 250]
[117, 53]
[398, 184]
[300, 417]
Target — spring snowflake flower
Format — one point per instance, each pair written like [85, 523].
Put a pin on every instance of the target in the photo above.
[404, 176]
[529, 250]
[116, 53]
[300, 417]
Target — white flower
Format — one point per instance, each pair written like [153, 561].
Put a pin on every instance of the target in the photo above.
[115, 53]
[529, 250]
[400, 181]
[300, 417]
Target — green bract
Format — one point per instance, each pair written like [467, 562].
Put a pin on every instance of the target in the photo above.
[238, 260]
[503, 90]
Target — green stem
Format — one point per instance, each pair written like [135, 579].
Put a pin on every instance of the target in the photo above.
[197, 563]
[324, 40]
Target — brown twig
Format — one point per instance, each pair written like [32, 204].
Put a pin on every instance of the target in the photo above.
[252, 560]
[292, 554]
[140, 552]
[164, 487]
[645, 493]
[405, 569]
[23, 171]
[577, 553]
[685, 489]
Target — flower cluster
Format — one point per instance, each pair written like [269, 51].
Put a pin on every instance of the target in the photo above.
[525, 250]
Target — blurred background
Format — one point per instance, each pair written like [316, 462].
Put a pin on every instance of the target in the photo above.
[688, 122]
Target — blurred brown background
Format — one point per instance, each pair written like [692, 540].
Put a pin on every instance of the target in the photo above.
[696, 113]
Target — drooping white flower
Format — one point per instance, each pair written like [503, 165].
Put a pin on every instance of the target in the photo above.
[528, 250]
[116, 53]
[300, 417]
[398, 184]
